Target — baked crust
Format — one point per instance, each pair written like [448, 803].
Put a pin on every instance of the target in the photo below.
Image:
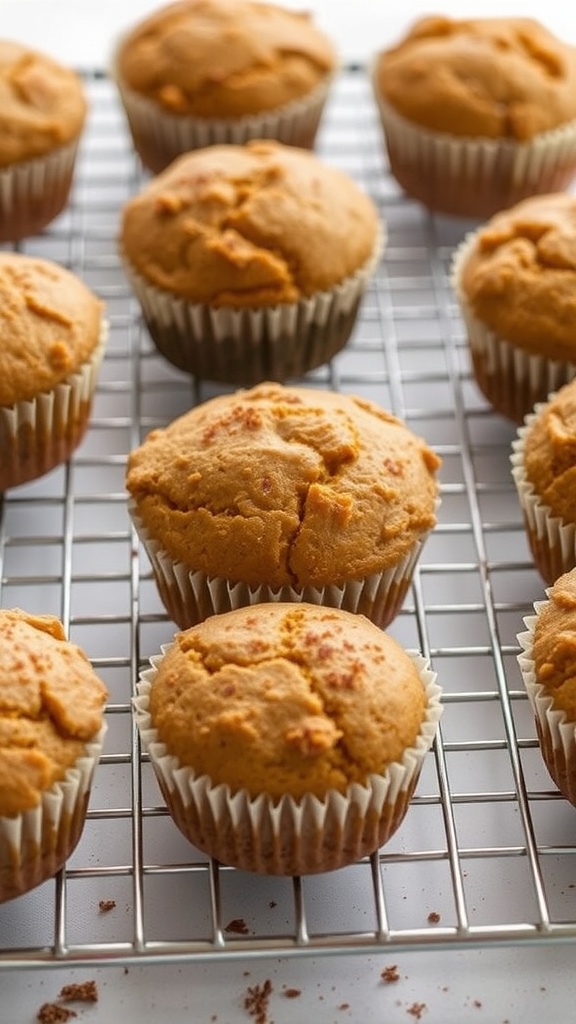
[285, 485]
[42, 104]
[249, 225]
[496, 78]
[287, 699]
[222, 59]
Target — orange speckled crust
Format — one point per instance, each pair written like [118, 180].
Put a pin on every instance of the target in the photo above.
[50, 324]
[248, 225]
[554, 644]
[287, 699]
[520, 276]
[42, 104]
[497, 78]
[51, 705]
[222, 59]
[550, 453]
[285, 485]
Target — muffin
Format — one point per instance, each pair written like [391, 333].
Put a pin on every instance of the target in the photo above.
[287, 739]
[479, 113]
[201, 72]
[42, 115]
[241, 267]
[515, 281]
[52, 335]
[544, 471]
[51, 732]
[283, 493]
[547, 666]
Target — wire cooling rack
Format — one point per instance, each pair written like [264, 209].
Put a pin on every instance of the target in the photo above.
[487, 851]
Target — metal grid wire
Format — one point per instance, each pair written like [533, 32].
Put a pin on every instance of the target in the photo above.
[486, 853]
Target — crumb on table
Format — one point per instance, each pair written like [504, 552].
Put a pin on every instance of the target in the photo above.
[256, 1001]
[390, 974]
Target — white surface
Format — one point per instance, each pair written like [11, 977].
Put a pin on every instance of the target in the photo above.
[529, 985]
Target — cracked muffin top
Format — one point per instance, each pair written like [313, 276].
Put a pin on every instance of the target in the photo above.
[42, 104]
[554, 644]
[51, 705]
[499, 78]
[251, 225]
[286, 698]
[50, 323]
[224, 58]
[519, 275]
[285, 486]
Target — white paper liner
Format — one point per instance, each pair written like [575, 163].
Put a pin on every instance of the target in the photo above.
[474, 177]
[53, 422]
[512, 379]
[557, 735]
[35, 844]
[192, 596]
[552, 539]
[289, 836]
[34, 192]
[248, 346]
[160, 136]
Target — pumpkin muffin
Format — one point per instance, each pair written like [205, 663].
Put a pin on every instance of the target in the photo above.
[243, 271]
[544, 471]
[283, 493]
[51, 732]
[42, 115]
[201, 72]
[287, 739]
[515, 281]
[53, 337]
[478, 113]
[547, 664]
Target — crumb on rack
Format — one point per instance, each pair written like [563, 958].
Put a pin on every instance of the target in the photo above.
[257, 999]
[237, 926]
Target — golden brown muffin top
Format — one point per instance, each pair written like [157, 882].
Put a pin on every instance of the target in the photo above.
[550, 453]
[249, 225]
[50, 323]
[285, 485]
[519, 277]
[285, 698]
[42, 104]
[51, 705]
[224, 58]
[554, 644]
[500, 78]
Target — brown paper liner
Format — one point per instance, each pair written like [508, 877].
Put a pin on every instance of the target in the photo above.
[287, 836]
[556, 735]
[37, 435]
[470, 177]
[244, 347]
[33, 193]
[511, 379]
[34, 845]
